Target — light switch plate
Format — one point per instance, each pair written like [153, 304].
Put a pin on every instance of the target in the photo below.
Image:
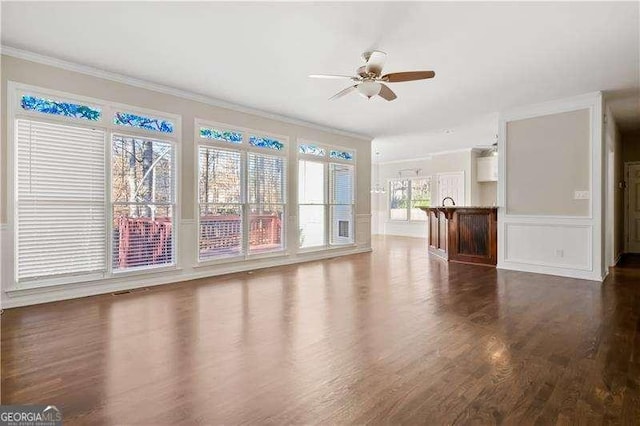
[581, 195]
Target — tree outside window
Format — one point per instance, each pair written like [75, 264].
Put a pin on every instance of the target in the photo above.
[406, 196]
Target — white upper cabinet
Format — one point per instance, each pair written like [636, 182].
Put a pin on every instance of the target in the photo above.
[487, 168]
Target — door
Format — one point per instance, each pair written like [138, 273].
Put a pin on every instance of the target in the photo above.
[451, 185]
[632, 211]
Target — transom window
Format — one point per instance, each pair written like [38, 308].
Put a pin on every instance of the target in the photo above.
[406, 196]
[241, 192]
[144, 122]
[60, 107]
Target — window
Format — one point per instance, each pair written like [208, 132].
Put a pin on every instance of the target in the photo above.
[220, 195]
[60, 205]
[269, 143]
[143, 122]
[325, 197]
[142, 196]
[89, 200]
[420, 197]
[265, 179]
[341, 155]
[241, 194]
[311, 149]
[220, 135]
[406, 196]
[65, 109]
[398, 199]
[311, 203]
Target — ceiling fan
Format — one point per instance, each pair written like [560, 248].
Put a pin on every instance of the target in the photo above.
[369, 80]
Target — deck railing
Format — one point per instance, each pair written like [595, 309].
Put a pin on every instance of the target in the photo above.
[147, 241]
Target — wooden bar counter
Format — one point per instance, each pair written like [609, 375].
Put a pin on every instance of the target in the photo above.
[464, 234]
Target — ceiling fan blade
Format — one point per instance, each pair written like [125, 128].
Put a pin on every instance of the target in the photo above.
[331, 76]
[386, 93]
[375, 62]
[398, 77]
[362, 71]
[343, 92]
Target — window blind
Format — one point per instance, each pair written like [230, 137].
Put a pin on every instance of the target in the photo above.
[311, 183]
[341, 183]
[265, 182]
[60, 200]
[341, 197]
[220, 196]
[265, 179]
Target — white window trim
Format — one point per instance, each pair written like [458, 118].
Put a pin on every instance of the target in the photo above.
[174, 221]
[15, 91]
[244, 148]
[409, 219]
[326, 160]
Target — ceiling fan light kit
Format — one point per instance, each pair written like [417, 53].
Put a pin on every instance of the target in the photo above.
[369, 88]
[369, 81]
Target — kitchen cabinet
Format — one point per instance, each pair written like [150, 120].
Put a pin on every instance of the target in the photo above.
[487, 169]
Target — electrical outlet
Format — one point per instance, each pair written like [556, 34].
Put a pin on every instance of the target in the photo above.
[580, 195]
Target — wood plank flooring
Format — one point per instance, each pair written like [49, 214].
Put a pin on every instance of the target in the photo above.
[387, 337]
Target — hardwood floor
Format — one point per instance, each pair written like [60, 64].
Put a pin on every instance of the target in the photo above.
[391, 336]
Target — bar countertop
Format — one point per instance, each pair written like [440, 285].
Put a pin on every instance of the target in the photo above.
[457, 207]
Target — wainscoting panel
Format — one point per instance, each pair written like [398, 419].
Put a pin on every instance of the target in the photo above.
[554, 245]
[7, 258]
[363, 230]
[564, 237]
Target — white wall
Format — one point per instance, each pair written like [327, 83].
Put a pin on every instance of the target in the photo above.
[548, 157]
[482, 193]
[457, 161]
[569, 241]
[81, 81]
[614, 194]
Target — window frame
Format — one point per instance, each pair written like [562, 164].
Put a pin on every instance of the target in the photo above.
[15, 91]
[326, 160]
[244, 148]
[408, 209]
[173, 205]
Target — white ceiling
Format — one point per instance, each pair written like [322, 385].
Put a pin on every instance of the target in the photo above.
[479, 132]
[487, 56]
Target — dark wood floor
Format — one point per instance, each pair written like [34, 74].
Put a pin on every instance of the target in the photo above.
[389, 337]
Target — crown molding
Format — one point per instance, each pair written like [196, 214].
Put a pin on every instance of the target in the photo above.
[428, 157]
[167, 90]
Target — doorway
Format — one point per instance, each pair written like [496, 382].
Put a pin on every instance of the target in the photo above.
[632, 207]
[451, 185]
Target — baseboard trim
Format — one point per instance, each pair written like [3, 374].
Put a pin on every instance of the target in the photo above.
[545, 270]
[34, 296]
[617, 260]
